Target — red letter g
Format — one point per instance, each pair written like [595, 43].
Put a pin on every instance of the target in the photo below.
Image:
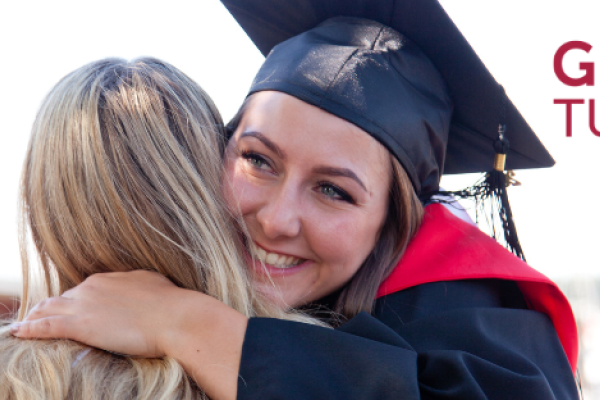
[588, 78]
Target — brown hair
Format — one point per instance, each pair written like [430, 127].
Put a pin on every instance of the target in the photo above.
[404, 216]
[403, 219]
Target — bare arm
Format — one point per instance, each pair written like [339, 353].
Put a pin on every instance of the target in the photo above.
[142, 313]
[208, 344]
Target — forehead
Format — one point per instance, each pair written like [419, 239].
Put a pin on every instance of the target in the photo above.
[306, 131]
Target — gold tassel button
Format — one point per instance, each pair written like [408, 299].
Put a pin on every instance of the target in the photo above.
[499, 162]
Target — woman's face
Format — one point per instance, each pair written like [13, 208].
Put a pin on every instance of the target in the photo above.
[313, 191]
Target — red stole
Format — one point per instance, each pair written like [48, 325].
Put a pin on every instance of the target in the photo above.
[447, 248]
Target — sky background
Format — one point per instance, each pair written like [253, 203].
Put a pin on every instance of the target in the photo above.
[554, 209]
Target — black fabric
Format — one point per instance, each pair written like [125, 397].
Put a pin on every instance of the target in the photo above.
[373, 77]
[445, 340]
[477, 97]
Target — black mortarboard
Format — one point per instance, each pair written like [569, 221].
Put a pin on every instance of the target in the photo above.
[360, 71]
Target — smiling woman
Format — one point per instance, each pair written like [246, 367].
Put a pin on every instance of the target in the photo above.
[316, 188]
[347, 95]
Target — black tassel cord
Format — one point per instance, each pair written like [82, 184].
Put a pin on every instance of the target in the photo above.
[491, 199]
[490, 194]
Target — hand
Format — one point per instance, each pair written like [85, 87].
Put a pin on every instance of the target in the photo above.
[142, 313]
[122, 312]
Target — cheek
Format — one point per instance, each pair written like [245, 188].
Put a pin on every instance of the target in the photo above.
[344, 244]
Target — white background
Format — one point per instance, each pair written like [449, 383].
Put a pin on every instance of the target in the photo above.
[555, 209]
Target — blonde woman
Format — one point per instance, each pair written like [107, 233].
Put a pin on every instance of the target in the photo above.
[123, 173]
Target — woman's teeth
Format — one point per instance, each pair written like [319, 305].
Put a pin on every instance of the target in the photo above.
[276, 260]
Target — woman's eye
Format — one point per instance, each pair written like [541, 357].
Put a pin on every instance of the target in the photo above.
[255, 160]
[335, 193]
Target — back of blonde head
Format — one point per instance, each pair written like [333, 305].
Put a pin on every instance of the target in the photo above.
[122, 173]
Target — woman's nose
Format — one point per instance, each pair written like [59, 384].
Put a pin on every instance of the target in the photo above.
[280, 216]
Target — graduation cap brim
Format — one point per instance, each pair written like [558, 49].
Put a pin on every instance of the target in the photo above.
[476, 95]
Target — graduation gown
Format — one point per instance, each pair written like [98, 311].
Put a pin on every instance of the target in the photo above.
[459, 318]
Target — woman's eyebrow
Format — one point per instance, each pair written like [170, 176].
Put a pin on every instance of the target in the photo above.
[267, 142]
[334, 171]
[325, 170]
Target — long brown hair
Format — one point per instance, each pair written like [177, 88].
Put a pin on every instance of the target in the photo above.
[123, 172]
[404, 216]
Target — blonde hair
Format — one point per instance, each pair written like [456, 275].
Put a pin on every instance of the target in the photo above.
[123, 172]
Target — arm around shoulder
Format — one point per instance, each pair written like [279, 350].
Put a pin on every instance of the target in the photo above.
[206, 340]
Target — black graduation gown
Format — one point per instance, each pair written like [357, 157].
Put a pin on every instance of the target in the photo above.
[433, 334]
[445, 340]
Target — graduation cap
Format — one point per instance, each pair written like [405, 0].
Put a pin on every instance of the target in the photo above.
[402, 71]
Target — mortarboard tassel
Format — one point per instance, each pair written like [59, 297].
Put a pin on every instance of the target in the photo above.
[491, 189]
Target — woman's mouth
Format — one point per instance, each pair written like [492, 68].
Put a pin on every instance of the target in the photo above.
[276, 260]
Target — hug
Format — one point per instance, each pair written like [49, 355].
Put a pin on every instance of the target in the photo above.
[298, 252]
